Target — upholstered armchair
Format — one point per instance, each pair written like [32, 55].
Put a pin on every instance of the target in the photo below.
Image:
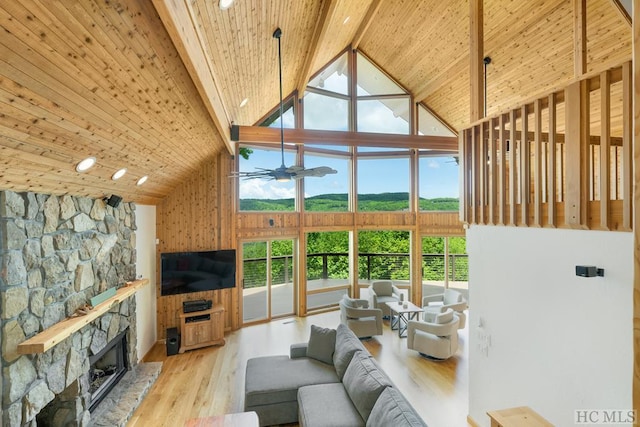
[381, 292]
[449, 299]
[436, 335]
[365, 322]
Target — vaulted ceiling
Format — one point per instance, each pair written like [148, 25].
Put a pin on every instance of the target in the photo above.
[153, 85]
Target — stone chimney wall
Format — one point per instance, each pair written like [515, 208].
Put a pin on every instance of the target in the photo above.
[56, 252]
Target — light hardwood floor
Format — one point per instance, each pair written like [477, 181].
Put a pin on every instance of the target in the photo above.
[210, 381]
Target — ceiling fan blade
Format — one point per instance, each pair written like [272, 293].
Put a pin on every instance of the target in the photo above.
[258, 174]
[320, 171]
[293, 169]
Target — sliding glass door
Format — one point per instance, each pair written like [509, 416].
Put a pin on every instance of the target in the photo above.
[268, 286]
[445, 264]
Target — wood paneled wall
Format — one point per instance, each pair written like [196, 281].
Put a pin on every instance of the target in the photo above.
[198, 215]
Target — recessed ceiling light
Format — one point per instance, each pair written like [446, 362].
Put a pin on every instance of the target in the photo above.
[346, 20]
[142, 180]
[244, 102]
[86, 164]
[119, 174]
[225, 4]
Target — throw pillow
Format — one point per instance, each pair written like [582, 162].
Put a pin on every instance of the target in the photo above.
[364, 382]
[393, 409]
[322, 341]
[346, 345]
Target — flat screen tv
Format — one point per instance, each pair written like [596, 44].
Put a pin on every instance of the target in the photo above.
[185, 272]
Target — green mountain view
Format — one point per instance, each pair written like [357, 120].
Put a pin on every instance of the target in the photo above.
[383, 202]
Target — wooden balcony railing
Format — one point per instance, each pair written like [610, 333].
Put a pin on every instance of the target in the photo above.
[562, 160]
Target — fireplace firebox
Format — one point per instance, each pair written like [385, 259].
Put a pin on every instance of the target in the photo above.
[107, 368]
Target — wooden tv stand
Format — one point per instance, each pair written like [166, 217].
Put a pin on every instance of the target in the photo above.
[202, 328]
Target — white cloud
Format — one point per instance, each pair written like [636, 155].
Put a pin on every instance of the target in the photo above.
[434, 165]
[262, 189]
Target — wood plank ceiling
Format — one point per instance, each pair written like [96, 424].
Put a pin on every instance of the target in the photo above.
[110, 78]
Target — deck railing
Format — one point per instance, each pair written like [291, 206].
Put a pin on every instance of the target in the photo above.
[561, 160]
[325, 266]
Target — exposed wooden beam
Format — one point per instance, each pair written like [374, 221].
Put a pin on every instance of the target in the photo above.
[622, 11]
[605, 148]
[476, 54]
[319, 33]
[266, 135]
[366, 21]
[525, 163]
[579, 37]
[560, 137]
[552, 171]
[177, 17]
[577, 158]
[629, 158]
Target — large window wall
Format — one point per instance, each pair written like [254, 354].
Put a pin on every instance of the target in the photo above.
[370, 101]
[362, 223]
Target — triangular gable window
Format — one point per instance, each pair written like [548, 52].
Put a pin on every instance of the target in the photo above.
[273, 119]
[372, 81]
[428, 124]
[334, 77]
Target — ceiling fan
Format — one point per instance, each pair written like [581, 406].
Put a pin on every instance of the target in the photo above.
[284, 173]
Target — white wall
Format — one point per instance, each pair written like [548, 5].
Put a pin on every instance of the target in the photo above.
[558, 342]
[146, 267]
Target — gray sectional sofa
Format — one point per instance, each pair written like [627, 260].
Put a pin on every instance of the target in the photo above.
[330, 381]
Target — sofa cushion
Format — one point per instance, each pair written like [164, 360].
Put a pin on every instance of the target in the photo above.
[364, 381]
[347, 343]
[322, 342]
[275, 379]
[325, 405]
[393, 409]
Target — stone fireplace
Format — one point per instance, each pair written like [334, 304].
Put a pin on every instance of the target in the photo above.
[55, 254]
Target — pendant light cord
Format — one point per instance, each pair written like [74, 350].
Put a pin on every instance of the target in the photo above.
[277, 33]
[486, 60]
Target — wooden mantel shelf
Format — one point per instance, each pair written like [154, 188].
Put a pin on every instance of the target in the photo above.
[54, 335]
